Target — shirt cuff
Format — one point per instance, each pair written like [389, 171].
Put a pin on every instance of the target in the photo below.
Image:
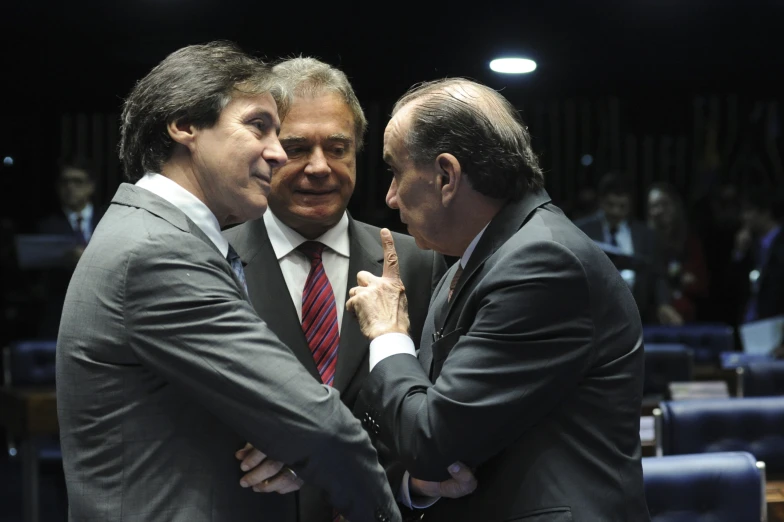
[417, 502]
[389, 344]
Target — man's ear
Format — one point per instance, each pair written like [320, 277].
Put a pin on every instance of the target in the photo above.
[181, 132]
[448, 177]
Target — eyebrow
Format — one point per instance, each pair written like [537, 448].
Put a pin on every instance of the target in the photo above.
[294, 139]
[387, 158]
[265, 115]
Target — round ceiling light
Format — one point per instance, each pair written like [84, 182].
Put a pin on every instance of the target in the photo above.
[513, 65]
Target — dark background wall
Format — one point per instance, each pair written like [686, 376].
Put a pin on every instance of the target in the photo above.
[683, 91]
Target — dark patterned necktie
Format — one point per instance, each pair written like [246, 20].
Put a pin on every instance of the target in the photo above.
[80, 229]
[455, 280]
[236, 265]
[319, 314]
[614, 236]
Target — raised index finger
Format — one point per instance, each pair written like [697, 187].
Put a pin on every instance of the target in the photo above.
[391, 266]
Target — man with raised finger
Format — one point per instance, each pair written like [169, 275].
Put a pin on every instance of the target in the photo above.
[531, 357]
[305, 251]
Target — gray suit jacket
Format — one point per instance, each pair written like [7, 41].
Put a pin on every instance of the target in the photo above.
[421, 270]
[533, 378]
[164, 370]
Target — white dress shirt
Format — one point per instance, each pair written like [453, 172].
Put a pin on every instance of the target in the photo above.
[87, 219]
[624, 239]
[189, 204]
[295, 265]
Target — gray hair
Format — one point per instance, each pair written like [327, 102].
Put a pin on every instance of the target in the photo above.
[193, 84]
[480, 128]
[309, 77]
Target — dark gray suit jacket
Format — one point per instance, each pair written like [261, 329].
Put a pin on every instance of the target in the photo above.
[164, 370]
[535, 379]
[650, 285]
[421, 270]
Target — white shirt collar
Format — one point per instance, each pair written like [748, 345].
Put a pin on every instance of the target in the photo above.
[189, 204]
[471, 247]
[86, 213]
[285, 239]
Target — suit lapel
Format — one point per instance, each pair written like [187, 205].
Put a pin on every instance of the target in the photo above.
[365, 254]
[269, 293]
[508, 221]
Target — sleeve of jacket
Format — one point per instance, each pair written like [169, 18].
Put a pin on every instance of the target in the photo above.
[188, 321]
[527, 347]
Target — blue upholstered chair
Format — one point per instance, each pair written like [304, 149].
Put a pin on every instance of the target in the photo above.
[707, 340]
[666, 363]
[761, 379]
[755, 425]
[720, 487]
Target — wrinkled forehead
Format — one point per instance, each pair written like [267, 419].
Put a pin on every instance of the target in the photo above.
[395, 133]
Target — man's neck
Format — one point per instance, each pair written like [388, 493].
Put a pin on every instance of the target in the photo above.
[77, 209]
[483, 210]
[179, 170]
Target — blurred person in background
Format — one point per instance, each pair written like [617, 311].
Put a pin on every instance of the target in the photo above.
[758, 253]
[614, 226]
[680, 249]
[76, 218]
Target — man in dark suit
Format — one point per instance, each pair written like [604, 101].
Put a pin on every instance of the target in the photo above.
[531, 361]
[759, 254]
[321, 134]
[163, 367]
[632, 239]
[76, 217]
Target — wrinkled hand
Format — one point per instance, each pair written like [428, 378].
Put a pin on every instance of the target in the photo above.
[461, 484]
[669, 315]
[265, 475]
[380, 303]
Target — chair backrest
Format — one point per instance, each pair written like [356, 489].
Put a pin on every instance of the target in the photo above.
[29, 363]
[763, 379]
[721, 487]
[665, 363]
[755, 425]
[707, 340]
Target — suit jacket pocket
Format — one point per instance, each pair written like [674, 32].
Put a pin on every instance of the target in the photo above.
[441, 349]
[556, 514]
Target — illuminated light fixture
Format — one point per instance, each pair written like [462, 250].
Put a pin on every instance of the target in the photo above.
[513, 65]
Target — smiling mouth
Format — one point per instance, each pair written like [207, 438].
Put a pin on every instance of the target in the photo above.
[315, 193]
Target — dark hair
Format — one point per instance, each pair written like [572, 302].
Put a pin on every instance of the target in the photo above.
[192, 85]
[672, 241]
[77, 163]
[764, 199]
[308, 77]
[613, 183]
[480, 128]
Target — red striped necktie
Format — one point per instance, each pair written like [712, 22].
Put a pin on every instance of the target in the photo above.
[319, 314]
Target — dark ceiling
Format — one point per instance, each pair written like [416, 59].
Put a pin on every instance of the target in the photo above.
[89, 53]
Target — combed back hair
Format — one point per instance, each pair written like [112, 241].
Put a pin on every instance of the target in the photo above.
[480, 128]
[614, 183]
[191, 85]
[309, 77]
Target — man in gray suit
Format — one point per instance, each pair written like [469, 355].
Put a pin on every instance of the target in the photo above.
[531, 359]
[163, 367]
[645, 275]
[321, 134]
